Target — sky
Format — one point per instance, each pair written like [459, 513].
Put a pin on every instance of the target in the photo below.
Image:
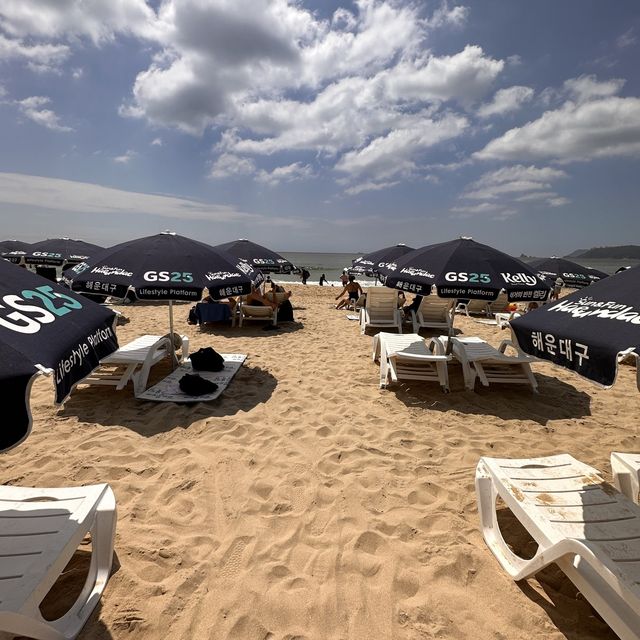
[322, 125]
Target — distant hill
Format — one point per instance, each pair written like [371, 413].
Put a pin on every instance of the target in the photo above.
[625, 252]
[577, 253]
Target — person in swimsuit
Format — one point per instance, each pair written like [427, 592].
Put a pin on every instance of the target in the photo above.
[354, 290]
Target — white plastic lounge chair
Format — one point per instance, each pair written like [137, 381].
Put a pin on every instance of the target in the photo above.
[407, 357]
[133, 361]
[590, 530]
[256, 312]
[41, 530]
[381, 310]
[433, 313]
[626, 474]
[473, 307]
[479, 359]
[498, 305]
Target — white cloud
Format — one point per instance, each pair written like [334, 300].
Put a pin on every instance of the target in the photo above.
[491, 210]
[287, 173]
[39, 57]
[627, 39]
[575, 132]
[394, 153]
[81, 197]
[229, 164]
[370, 186]
[444, 16]
[506, 100]
[95, 19]
[464, 76]
[587, 88]
[156, 142]
[33, 109]
[77, 73]
[504, 187]
[126, 157]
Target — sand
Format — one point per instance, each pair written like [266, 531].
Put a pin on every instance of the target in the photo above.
[306, 502]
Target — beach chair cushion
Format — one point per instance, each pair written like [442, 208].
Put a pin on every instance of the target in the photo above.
[41, 530]
[256, 312]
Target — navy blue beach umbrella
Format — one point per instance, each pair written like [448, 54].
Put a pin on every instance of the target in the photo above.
[257, 256]
[369, 263]
[44, 328]
[573, 274]
[14, 250]
[587, 331]
[167, 267]
[464, 269]
[56, 252]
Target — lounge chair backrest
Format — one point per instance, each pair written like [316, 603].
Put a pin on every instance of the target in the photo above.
[434, 309]
[276, 296]
[499, 304]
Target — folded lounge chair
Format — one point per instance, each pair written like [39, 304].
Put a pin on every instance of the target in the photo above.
[479, 359]
[133, 361]
[626, 474]
[41, 530]
[582, 524]
[499, 305]
[381, 310]
[407, 357]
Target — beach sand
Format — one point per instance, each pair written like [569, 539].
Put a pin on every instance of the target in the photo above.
[306, 503]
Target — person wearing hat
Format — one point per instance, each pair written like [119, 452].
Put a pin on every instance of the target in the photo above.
[557, 288]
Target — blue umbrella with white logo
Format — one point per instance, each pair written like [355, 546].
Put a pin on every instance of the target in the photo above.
[464, 269]
[44, 328]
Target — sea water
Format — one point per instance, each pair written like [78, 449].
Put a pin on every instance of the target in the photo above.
[332, 264]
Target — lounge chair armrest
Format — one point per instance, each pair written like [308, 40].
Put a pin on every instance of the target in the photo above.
[508, 343]
[437, 347]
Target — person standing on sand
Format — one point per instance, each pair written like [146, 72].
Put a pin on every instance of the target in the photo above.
[304, 275]
[557, 288]
[323, 279]
[344, 278]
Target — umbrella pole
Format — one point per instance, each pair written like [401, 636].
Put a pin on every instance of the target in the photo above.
[173, 347]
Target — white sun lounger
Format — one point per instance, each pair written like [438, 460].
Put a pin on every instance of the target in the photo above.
[381, 310]
[433, 313]
[475, 307]
[256, 312]
[407, 357]
[590, 530]
[133, 361]
[41, 530]
[479, 359]
[626, 474]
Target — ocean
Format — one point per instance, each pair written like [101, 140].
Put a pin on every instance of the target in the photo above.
[332, 264]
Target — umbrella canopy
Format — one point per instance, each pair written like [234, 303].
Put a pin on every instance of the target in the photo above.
[57, 251]
[165, 266]
[14, 250]
[13, 245]
[370, 262]
[586, 330]
[573, 274]
[257, 256]
[464, 269]
[44, 326]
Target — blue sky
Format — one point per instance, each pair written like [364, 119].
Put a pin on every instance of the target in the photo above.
[322, 125]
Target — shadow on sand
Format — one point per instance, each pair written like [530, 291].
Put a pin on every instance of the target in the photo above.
[250, 387]
[250, 329]
[555, 400]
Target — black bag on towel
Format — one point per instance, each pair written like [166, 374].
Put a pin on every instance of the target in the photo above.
[207, 359]
[195, 385]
